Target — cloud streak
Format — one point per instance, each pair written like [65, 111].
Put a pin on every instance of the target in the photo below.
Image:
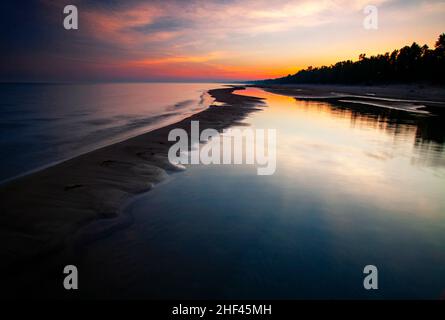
[225, 39]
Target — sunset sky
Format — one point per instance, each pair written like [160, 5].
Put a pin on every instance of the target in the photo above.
[222, 40]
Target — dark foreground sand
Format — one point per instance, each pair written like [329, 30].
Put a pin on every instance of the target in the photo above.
[41, 212]
[421, 98]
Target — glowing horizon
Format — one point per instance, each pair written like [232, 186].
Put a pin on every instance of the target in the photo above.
[205, 40]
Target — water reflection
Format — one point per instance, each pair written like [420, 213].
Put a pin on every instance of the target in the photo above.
[358, 153]
[352, 187]
[425, 132]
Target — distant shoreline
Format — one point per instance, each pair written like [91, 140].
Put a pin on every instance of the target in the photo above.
[40, 211]
[428, 98]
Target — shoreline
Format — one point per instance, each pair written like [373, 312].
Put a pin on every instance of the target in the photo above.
[411, 98]
[81, 126]
[83, 245]
[41, 211]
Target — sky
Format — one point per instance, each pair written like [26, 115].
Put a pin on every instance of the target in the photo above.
[201, 40]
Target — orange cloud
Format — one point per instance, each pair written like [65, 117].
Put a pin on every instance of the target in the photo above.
[237, 39]
[177, 59]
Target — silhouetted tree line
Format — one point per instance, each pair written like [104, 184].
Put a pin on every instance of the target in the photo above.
[409, 64]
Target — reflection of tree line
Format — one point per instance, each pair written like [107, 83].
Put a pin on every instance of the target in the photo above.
[409, 64]
[429, 131]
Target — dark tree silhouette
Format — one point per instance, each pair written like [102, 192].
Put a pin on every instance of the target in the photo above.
[409, 64]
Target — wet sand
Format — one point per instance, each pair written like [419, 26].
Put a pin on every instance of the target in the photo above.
[49, 210]
[42, 211]
[352, 186]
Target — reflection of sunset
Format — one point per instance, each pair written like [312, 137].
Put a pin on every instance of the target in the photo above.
[391, 122]
[353, 152]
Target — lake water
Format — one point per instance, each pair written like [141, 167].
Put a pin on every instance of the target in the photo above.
[352, 188]
[44, 123]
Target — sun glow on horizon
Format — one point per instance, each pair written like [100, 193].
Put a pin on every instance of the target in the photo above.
[236, 40]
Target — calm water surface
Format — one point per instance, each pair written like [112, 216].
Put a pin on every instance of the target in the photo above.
[351, 188]
[44, 123]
